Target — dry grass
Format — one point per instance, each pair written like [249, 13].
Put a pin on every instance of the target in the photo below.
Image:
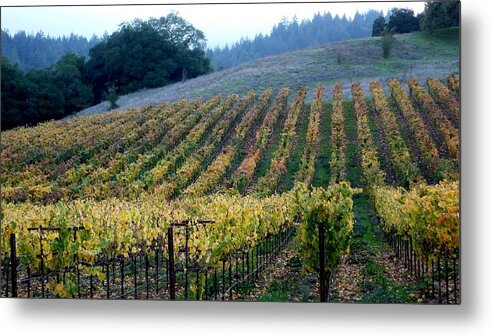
[416, 54]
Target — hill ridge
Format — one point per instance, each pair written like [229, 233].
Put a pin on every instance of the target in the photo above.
[414, 55]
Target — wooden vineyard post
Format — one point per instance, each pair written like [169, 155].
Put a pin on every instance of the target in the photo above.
[187, 237]
[321, 243]
[13, 264]
[172, 275]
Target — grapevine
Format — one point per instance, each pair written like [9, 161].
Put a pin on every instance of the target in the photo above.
[429, 214]
[244, 173]
[449, 133]
[268, 183]
[444, 96]
[371, 170]
[399, 153]
[417, 126]
[338, 162]
[308, 160]
[454, 83]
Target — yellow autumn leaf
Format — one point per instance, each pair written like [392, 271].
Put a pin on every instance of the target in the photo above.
[58, 288]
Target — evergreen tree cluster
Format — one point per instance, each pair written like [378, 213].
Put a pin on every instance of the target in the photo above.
[39, 51]
[292, 35]
[437, 15]
[442, 14]
[400, 21]
[39, 95]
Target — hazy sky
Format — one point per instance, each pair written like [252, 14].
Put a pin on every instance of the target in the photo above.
[221, 23]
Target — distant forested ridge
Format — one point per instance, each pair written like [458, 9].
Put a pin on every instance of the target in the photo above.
[292, 35]
[39, 51]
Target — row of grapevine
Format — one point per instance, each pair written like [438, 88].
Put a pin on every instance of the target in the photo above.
[267, 184]
[454, 83]
[401, 160]
[428, 214]
[209, 179]
[419, 131]
[244, 173]
[372, 174]
[217, 169]
[448, 132]
[130, 181]
[338, 164]
[444, 96]
[114, 229]
[308, 160]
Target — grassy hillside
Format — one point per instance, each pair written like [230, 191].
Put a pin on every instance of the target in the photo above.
[417, 54]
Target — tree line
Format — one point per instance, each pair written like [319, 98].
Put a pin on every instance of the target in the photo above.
[436, 15]
[324, 28]
[39, 51]
[293, 35]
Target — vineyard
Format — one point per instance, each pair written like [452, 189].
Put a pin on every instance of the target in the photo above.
[204, 200]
